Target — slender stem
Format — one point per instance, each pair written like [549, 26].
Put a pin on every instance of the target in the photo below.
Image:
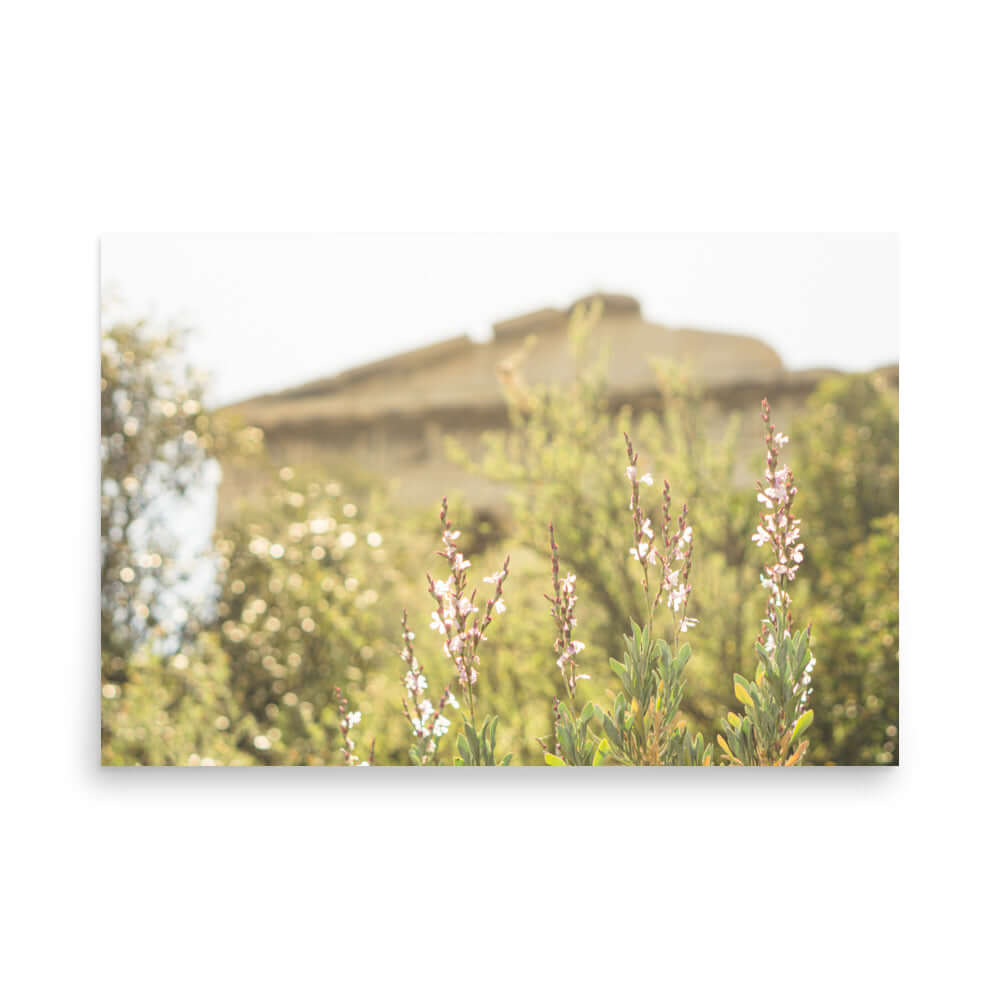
[472, 703]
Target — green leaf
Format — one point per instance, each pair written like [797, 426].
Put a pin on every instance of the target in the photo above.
[805, 721]
[740, 686]
[611, 730]
[553, 761]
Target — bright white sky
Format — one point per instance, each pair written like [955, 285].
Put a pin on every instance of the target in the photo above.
[274, 311]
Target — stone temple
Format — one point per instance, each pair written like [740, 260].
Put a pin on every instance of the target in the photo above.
[393, 415]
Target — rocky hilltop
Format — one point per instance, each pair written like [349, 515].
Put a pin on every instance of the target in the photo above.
[392, 415]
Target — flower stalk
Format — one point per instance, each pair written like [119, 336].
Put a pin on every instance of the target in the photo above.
[457, 618]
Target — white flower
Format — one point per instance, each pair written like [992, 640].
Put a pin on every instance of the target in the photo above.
[647, 528]
[631, 473]
[353, 718]
[437, 623]
[760, 536]
[688, 623]
[677, 596]
[569, 652]
[441, 725]
[779, 491]
[415, 682]
[642, 553]
[451, 700]
[499, 607]
[780, 440]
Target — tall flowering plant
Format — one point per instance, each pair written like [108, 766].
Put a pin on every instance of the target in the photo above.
[778, 529]
[643, 726]
[572, 741]
[673, 560]
[427, 720]
[457, 619]
[563, 604]
[348, 720]
[775, 714]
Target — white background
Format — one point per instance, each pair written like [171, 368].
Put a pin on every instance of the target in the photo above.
[707, 117]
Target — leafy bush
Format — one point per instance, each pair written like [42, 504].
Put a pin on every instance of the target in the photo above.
[850, 466]
[303, 610]
[643, 727]
[856, 616]
[178, 709]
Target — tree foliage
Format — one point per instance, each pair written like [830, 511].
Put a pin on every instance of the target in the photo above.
[849, 468]
[157, 447]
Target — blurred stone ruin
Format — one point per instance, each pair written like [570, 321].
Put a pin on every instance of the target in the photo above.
[391, 416]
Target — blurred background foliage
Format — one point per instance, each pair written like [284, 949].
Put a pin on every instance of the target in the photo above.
[305, 584]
